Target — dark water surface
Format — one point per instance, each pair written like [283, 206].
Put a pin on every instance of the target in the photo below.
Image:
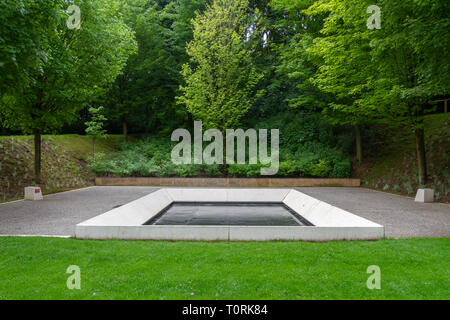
[238, 214]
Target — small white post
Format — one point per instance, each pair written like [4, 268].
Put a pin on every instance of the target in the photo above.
[33, 193]
[425, 195]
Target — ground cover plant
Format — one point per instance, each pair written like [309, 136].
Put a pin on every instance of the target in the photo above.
[308, 154]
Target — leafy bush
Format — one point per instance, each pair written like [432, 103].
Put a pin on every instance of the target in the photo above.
[321, 169]
[342, 169]
[151, 157]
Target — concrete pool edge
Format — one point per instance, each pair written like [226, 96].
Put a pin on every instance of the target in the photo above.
[228, 233]
[330, 223]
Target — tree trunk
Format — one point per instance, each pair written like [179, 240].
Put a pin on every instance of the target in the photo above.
[93, 147]
[190, 120]
[125, 131]
[225, 166]
[225, 162]
[358, 144]
[37, 157]
[421, 156]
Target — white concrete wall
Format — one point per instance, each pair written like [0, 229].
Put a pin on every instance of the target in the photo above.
[154, 232]
[134, 213]
[322, 214]
[225, 195]
[330, 223]
[228, 233]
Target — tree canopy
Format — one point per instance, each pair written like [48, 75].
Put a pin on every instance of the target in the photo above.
[69, 67]
[157, 65]
[220, 77]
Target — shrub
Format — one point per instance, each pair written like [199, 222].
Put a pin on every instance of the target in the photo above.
[287, 168]
[213, 170]
[409, 188]
[152, 157]
[321, 169]
[342, 169]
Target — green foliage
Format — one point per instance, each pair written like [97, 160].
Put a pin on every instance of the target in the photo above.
[144, 95]
[408, 187]
[94, 127]
[151, 157]
[342, 169]
[68, 67]
[386, 75]
[220, 77]
[148, 158]
[321, 169]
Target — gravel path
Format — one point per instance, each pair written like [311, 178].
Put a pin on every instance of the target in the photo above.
[401, 216]
[58, 214]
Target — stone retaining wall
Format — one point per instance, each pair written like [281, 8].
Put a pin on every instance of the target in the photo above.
[229, 182]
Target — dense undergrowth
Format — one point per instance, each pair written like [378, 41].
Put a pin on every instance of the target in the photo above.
[306, 150]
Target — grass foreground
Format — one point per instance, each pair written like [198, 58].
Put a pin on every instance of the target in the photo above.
[35, 268]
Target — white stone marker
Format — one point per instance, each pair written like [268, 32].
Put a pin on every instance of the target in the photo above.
[425, 195]
[33, 193]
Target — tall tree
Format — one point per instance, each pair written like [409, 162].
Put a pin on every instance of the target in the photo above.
[143, 97]
[220, 78]
[70, 66]
[341, 53]
[385, 74]
[411, 56]
[314, 57]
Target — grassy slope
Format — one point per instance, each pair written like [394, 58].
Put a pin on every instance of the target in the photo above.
[391, 163]
[34, 268]
[63, 162]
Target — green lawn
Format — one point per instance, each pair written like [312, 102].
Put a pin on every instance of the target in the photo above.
[34, 268]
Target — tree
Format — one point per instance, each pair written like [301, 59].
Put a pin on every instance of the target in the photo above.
[385, 75]
[220, 77]
[324, 55]
[410, 53]
[22, 24]
[70, 66]
[143, 97]
[342, 54]
[136, 91]
[296, 63]
[94, 128]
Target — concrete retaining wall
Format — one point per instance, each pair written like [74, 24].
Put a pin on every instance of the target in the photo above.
[229, 182]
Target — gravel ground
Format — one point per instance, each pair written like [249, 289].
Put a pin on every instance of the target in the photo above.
[401, 216]
[58, 214]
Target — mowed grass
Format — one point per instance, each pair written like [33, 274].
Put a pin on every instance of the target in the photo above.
[35, 268]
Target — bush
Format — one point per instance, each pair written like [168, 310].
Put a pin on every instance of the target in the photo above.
[151, 157]
[342, 169]
[321, 169]
[213, 170]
